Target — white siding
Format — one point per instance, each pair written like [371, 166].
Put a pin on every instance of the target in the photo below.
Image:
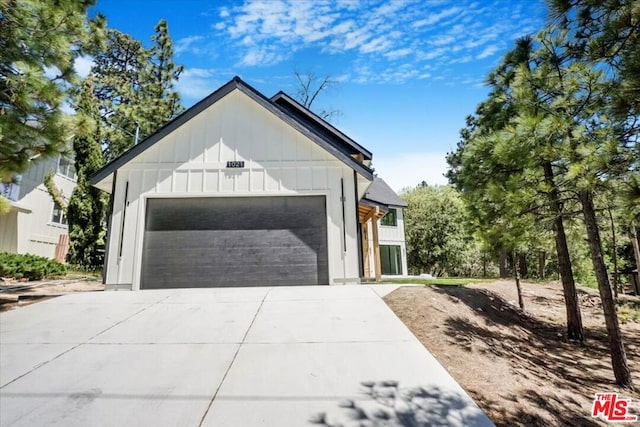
[391, 235]
[191, 161]
[34, 232]
[9, 232]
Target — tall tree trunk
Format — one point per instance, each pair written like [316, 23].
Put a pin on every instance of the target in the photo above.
[635, 239]
[574, 319]
[542, 264]
[522, 266]
[618, 356]
[614, 276]
[515, 274]
[503, 264]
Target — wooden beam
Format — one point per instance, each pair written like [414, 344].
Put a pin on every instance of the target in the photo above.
[376, 248]
[366, 261]
[359, 157]
[373, 213]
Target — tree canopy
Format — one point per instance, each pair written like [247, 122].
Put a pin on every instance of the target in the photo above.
[39, 42]
[437, 239]
[128, 95]
[553, 136]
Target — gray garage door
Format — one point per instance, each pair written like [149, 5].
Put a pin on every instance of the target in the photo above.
[239, 241]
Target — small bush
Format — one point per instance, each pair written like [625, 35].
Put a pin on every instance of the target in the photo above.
[30, 267]
[629, 313]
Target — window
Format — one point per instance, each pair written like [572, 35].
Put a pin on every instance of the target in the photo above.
[391, 259]
[58, 216]
[67, 168]
[390, 219]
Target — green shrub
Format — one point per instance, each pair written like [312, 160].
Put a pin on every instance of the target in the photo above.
[30, 267]
[629, 312]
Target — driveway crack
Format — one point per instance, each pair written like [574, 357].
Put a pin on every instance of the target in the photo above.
[233, 360]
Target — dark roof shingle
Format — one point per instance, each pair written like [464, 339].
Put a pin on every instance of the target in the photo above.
[379, 192]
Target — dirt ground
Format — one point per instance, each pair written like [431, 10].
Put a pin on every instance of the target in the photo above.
[16, 294]
[519, 367]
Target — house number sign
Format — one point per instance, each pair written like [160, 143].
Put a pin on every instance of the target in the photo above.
[235, 164]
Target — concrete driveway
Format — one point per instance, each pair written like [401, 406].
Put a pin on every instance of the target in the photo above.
[283, 356]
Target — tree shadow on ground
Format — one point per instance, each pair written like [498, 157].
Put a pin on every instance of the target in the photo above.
[387, 404]
[541, 348]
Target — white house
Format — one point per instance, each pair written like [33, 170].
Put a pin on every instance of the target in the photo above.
[35, 224]
[239, 190]
[391, 238]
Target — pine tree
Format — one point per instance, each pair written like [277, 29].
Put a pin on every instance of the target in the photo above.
[510, 194]
[86, 209]
[565, 107]
[128, 95]
[134, 87]
[117, 86]
[606, 33]
[158, 79]
[39, 41]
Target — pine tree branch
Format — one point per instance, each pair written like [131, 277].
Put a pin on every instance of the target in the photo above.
[54, 192]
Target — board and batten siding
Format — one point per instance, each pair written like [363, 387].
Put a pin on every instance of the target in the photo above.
[391, 235]
[191, 162]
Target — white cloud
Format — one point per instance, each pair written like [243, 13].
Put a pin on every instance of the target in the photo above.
[442, 40]
[488, 51]
[378, 44]
[410, 169]
[434, 53]
[402, 32]
[197, 83]
[51, 72]
[82, 65]
[398, 53]
[462, 59]
[261, 56]
[436, 17]
[186, 44]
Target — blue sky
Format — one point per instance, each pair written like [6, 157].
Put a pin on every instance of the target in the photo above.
[408, 71]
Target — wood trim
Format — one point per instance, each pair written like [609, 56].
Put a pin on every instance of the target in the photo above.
[376, 249]
[365, 250]
[372, 214]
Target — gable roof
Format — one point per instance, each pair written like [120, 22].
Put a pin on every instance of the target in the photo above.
[379, 193]
[332, 145]
[319, 124]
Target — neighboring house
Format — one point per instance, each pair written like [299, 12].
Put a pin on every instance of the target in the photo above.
[239, 190]
[35, 224]
[391, 238]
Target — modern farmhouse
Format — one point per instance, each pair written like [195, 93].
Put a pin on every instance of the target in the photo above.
[243, 190]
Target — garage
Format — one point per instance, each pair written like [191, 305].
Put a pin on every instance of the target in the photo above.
[239, 190]
[201, 242]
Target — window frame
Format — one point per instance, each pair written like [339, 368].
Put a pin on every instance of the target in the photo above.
[62, 222]
[393, 223]
[66, 168]
[394, 253]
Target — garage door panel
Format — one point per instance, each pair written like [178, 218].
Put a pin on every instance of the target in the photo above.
[227, 278]
[235, 242]
[224, 213]
[236, 238]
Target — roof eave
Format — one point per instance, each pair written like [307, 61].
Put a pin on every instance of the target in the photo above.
[311, 115]
[235, 83]
[132, 152]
